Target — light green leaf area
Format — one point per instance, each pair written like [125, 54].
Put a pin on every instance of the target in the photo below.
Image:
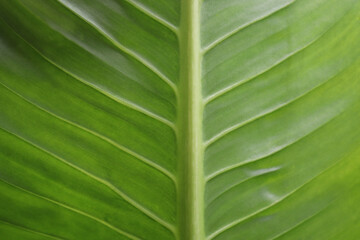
[187, 120]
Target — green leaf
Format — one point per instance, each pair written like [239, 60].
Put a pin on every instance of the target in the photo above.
[188, 120]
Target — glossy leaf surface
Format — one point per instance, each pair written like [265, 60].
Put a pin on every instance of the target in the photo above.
[189, 120]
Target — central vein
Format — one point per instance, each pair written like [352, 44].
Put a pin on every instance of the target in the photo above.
[190, 148]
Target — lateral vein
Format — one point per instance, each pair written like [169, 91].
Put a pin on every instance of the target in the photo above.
[154, 16]
[102, 137]
[238, 221]
[26, 229]
[277, 63]
[74, 210]
[117, 99]
[242, 27]
[229, 130]
[277, 150]
[102, 181]
[124, 49]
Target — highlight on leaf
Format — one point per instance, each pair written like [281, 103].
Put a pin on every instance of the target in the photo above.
[179, 119]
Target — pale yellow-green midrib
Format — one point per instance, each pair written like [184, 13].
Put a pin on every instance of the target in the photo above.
[190, 141]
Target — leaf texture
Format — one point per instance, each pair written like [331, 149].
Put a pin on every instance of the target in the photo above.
[188, 120]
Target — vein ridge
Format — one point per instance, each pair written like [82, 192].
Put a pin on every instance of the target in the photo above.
[219, 40]
[230, 129]
[73, 210]
[123, 195]
[238, 221]
[111, 142]
[230, 87]
[154, 16]
[26, 229]
[276, 151]
[117, 99]
[124, 49]
[298, 224]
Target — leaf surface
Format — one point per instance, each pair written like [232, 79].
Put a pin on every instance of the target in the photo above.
[188, 120]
